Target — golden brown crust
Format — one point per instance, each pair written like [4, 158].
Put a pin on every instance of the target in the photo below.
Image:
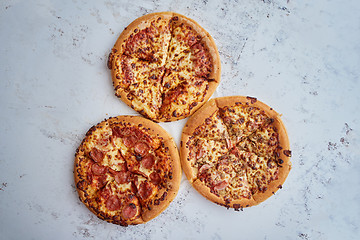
[139, 23]
[188, 163]
[236, 204]
[164, 196]
[128, 97]
[190, 172]
[251, 101]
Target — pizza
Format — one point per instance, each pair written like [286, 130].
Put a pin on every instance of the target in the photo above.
[165, 66]
[235, 151]
[127, 170]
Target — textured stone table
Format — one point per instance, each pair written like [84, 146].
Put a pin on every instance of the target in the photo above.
[300, 57]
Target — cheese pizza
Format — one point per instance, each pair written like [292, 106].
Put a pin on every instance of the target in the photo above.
[235, 151]
[165, 66]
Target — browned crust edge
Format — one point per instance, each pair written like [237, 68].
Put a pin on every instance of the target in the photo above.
[141, 22]
[185, 164]
[206, 111]
[154, 129]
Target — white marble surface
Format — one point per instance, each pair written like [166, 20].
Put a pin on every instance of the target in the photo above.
[300, 57]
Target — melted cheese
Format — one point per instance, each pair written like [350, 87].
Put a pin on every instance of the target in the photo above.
[212, 128]
[247, 164]
[242, 120]
[179, 101]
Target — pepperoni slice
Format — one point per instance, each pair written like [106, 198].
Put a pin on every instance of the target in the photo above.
[97, 155]
[155, 178]
[113, 203]
[145, 190]
[129, 141]
[221, 185]
[141, 148]
[105, 193]
[122, 177]
[98, 169]
[140, 173]
[116, 132]
[129, 211]
[148, 161]
[101, 181]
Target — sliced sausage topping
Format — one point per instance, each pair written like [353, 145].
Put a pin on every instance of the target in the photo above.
[96, 155]
[145, 190]
[148, 161]
[113, 203]
[98, 169]
[141, 148]
[155, 178]
[129, 211]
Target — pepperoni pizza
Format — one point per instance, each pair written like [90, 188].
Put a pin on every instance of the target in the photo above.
[165, 66]
[235, 151]
[127, 170]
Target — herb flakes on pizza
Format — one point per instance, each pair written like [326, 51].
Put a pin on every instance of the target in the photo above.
[127, 170]
[235, 151]
[165, 66]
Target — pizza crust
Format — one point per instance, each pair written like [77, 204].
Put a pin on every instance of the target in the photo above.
[236, 204]
[198, 118]
[166, 195]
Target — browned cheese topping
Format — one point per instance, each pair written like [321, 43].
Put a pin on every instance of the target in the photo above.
[235, 152]
[164, 68]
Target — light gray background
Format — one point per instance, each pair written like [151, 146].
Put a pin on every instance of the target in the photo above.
[300, 57]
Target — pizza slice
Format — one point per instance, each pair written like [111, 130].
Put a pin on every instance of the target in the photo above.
[241, 119]
[188, 55]
[207, 123]
[201, 154]
[149, 87]
[264, 142]
[147, 38]
[261, 171]
[185, 98]
[224, 180]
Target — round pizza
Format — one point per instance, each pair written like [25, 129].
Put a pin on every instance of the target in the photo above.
[127, 170]
[165, 66]
[235, 151]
